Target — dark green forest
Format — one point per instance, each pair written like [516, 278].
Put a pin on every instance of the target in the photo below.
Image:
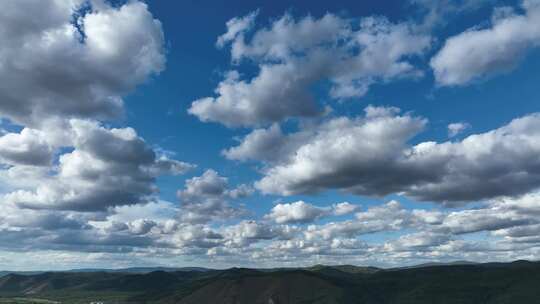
[491, 283]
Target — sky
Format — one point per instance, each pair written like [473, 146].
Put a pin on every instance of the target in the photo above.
[268, 133]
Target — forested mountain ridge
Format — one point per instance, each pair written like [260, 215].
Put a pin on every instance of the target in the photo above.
[491, 283]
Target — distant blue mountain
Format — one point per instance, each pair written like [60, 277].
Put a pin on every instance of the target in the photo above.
[141, 270]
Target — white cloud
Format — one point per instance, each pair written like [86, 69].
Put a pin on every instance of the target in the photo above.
[60, 72]
[427, 234]
[74, 190]
[347, 153]
[261, 144]
[67, 182]
[278, 92]
[293, 55]
[107, 167]
[205, 198]
[457, 128]
[344, 208]
[286, 36]
[297, 212]
[416, 242]
[251, 232]
[371, 156]
[29, 147]
[51, 70]
[157, 211]
[235, 27]
[387, 217]
[478, 53]
[487, 219]
[302, 212]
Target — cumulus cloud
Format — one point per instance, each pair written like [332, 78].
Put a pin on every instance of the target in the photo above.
[482, 52]
[68, 182]
[293, 55]
[269, 145]
[205, 198]
[347, 153]
[486, 219]
[141, 226]
[428, 234]
[29, 147]
[386, 217]
[65, 178]
[371, 155]
[302, 212]
[486, 165]
[390, 216]
[251, 103]
[260, 144]
[71, 184]
[157, 211]
[57, 68]
[344, 208]
[250, 232]
[107, 167]
[295, 212]
[417, 242]
[15, 218]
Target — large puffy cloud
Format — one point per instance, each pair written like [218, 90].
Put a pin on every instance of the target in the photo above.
[487, 219]
[29, 147]
[66, 180]
[276, 93]
[294, 55]
[500, 162]
[347, 153]
[62, 73]
[77, 186]
[478, 53]
[370, 155]
[107, 167]
[77, 60]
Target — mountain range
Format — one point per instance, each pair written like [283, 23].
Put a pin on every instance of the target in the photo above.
[459, 283]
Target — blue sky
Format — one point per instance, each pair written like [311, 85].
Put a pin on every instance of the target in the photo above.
[194, 66]
[261, 134]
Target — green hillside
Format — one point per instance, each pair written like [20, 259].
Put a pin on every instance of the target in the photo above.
[511, 283]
